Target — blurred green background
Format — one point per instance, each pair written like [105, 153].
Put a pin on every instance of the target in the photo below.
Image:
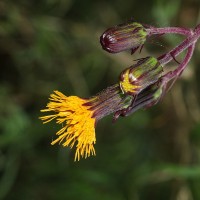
[54, 45]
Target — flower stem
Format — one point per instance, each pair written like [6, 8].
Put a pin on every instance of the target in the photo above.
[177, 72]
[157, 31]
[191, 39]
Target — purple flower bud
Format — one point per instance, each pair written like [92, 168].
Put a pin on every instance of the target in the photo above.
[148, 97]
[139, 76]
[123, 37]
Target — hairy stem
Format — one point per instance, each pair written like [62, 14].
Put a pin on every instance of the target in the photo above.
[183, 65]
[191, 39]
[167, 30]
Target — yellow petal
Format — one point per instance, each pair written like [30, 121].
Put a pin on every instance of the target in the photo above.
[79, 125]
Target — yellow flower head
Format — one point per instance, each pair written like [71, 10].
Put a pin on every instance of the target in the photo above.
[79, 116]
[79, 125]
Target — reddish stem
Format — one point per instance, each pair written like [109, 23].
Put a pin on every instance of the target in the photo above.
[191, 39]
[182, 66]
[167, 30]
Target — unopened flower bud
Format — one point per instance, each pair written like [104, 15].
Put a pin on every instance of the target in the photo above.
[123, 37]
[139, 76]
[147, 98]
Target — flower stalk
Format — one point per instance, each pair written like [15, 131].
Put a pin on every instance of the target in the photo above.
[168, 30]
[190, 40]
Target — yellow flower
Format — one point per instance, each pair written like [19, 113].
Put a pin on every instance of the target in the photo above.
[79, 124]
[79, 117]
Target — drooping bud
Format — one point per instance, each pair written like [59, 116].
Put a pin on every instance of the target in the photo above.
[147, 98]
[123, 37]
[139, 76]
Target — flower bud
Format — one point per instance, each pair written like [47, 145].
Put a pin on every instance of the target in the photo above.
[147, 98]
[139, 76]
[150, 96]
[123, 37]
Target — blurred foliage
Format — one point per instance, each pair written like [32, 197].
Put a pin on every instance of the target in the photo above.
[54, 45]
